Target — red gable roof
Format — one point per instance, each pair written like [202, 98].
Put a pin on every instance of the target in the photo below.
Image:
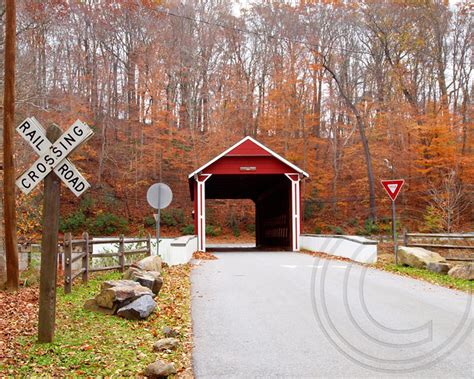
[248, 148]
[248, 156]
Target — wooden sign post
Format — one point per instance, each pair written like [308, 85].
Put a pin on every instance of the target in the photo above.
[49, 251]
[52, 165]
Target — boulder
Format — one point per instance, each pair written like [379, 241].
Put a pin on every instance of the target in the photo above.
[91, 305]
[117, 283]
[128, 273]
[159, 369]
[166, 344]
[138, 309]
[418, 257]
[438, 267]
[465, 271]
[120, 294]
[151, 263]
[149, 279]
[170, 332]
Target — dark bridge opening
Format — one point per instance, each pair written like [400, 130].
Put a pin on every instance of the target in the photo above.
[250, 170]
[271, 195]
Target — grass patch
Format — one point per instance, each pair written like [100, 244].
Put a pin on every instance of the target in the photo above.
[432, 277]
[92, 344]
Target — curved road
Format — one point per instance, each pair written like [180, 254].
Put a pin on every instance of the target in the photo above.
[293, 315]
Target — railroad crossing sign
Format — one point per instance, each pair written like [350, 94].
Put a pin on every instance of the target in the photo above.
[52, 156]
[393, 187]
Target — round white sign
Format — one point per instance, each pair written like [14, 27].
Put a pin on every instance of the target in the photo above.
[159, 195]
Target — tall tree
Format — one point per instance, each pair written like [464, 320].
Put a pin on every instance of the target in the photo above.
[9, 213]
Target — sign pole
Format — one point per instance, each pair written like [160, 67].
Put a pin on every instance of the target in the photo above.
[159, 196]
[53, 146]
[393, 188]
[394, 233]
[158, 217]
[49, 250]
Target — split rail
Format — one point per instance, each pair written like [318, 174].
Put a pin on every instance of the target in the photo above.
[85, 244]
[441, 241]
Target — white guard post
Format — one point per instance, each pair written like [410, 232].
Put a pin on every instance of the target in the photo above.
[201, 210]
[295, 210]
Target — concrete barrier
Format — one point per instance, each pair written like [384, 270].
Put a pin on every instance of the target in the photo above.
[179, 250]
[359, 249]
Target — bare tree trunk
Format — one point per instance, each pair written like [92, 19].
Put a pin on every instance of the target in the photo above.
[365, 143]
[9, 211]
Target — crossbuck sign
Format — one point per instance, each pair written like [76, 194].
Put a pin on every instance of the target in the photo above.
[52, 156]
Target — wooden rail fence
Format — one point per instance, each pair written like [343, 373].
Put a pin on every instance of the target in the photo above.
[433, 237]
[85, 256]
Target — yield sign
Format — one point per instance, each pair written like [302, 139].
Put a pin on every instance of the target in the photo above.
[53, 155]
[393, 187]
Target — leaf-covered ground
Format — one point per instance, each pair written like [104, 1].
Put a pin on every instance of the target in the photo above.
[92, 344]
[386, 262]
[427, 276]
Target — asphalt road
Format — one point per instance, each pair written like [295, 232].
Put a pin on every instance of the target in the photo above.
[293, 315]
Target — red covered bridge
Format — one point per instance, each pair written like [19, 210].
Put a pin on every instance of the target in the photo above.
[250, 170]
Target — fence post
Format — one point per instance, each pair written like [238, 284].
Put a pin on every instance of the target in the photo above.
[61, 257]
[148, 243]
[85, 258]
[67, 263]
[405, 237]
[121, 253]
[29, 256]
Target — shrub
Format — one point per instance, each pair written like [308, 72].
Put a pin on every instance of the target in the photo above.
[107, 224]
[370, 227]
[308, 209]
[317, 230]
[353, 222]
[433, 220]
[149, 221]
[75, 223]
[167, 219]
[178, 215]
[213, 231]
[87, 203]
[188, 229]
[250, 228]
[235, 230]
[337, 230]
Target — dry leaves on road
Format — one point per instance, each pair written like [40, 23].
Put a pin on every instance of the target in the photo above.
[202, 255]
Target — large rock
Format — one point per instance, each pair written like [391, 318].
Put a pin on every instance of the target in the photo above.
[159, 369]
[418, 257]
[117, 293]
[166, 344]
[438, 267]
[91, 305]
[117, 283]
[130, 272]
[465, 271]
[151, 263]
[138, 309]
[149, 279]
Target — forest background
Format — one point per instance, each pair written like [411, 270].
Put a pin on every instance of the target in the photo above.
[350, 91]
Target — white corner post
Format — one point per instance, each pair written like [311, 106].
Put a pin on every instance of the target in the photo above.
[201, 210]
[295, 211]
